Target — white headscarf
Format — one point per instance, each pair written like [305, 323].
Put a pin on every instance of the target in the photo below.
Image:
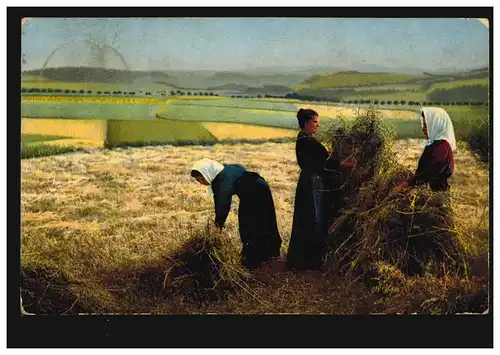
[439, 126]
[209, 169]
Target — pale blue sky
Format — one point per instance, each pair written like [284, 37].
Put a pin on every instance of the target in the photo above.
[244, 43]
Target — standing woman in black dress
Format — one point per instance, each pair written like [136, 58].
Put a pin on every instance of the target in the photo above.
[309, 228]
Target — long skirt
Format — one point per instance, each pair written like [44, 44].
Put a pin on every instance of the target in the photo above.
[307, 243]
[257, 220]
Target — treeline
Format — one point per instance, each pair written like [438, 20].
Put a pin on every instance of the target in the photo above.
[463, 93]
[385, 102]
[89, 92]
[194, 93]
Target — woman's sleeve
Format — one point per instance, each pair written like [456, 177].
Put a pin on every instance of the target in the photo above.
[433, 164]
[333, 162]
[222, 199]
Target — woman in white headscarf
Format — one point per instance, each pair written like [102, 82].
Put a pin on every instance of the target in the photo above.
[256, 214]
[436, 163]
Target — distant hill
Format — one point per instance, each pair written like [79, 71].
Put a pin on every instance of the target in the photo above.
[470, 85]
[97, 75]
[180, 79]
[352, 79]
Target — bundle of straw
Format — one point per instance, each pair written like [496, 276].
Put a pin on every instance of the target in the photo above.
[413, 230]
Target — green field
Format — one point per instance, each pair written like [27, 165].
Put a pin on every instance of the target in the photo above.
[400, 95]
[239, 103]
[88, 110]
[465, 122]
[36, 138]
[125, 132]
[459, 83]
[32, 146]
[180, 121]
[355, 79]
[260, 117]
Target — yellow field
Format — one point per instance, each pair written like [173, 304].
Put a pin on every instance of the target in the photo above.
[76, 143]
[334, 111]
[246, 131]
[198, 97]
[86, 129]
[93, 99]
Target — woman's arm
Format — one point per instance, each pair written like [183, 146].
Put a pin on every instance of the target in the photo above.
[431, 164]
[222, 200]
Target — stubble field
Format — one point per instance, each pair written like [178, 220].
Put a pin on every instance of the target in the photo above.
[93, 220]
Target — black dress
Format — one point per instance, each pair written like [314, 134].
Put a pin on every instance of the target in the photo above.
[310, 225]
[256, 214]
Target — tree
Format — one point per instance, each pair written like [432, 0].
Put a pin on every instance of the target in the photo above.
[24, 90]
[82, 91]
[396, 102]
[89, 91]
[375, 102]
[172, 93]
[189, 93]
[403, 102]
[382, 102]
[67, 91]
[389, 102]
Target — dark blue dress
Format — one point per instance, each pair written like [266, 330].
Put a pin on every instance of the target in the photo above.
[256, 214]
[310, 223]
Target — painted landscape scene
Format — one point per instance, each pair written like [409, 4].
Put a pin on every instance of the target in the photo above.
[114, 112]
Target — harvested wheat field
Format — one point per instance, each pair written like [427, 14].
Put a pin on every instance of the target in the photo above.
[126, 231]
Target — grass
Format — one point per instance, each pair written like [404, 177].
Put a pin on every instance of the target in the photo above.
[120, 132]
[261, 117]
[103, 249]
[466, 120]
[239, 103]
[36, 146]
[399, 95]
[32, 138]
[459, 83]
[88, 110]
[42, 150]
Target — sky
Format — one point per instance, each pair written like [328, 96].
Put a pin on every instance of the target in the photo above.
[248, 43]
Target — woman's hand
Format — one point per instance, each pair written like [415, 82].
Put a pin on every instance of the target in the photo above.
[348, 163]
[403, 185]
